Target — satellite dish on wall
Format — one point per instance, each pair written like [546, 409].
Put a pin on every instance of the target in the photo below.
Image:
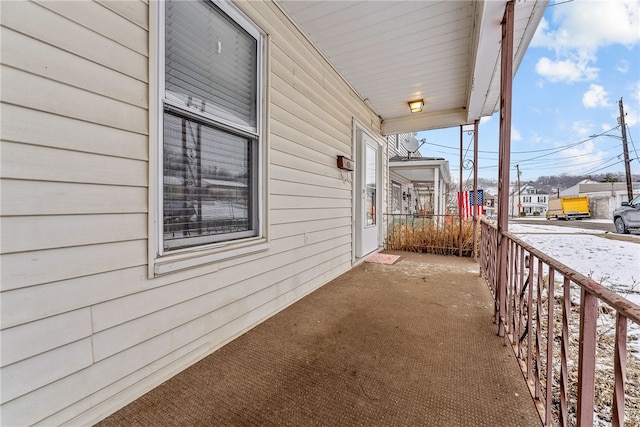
[410, 144]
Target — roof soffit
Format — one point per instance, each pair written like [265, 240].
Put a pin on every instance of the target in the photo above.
[391, 52]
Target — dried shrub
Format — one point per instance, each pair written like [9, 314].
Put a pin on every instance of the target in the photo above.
[438, 236]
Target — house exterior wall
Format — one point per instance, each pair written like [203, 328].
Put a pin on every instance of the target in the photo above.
[406, 188]
[85, 327]
[604, 197]
[528, 200]
[396, 148]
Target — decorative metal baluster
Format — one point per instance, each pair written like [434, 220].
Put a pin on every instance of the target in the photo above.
[522, 318]
[513, 285]
[549, 385]
[564, 350]
[529, 319]
[587, 358]
[619, 370]
[538, 367]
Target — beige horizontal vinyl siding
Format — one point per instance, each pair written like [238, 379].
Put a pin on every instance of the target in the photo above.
[75, 201]
[74, 143]
[74, 170]
[77, 37]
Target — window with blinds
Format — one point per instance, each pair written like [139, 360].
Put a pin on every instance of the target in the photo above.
[210, 127]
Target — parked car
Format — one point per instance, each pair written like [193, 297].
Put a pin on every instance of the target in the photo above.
[627, 217]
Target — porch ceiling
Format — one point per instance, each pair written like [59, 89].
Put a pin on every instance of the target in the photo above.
[420, 171]
[392, 52]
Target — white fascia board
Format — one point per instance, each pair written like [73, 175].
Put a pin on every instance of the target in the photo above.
[486, 49]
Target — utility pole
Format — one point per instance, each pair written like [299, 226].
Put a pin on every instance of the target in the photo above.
[625, 150]
[519, 191]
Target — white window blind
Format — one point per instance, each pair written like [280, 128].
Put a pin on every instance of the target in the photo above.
[210, 62]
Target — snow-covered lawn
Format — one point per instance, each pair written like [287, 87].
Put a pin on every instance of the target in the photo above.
[613, 263]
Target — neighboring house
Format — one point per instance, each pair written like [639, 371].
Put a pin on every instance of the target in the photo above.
[170, 171]
[417, 184]
[604, 197]
[491, 203]
[529, 200]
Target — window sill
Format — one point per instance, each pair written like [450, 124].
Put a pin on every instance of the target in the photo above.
[177, 262]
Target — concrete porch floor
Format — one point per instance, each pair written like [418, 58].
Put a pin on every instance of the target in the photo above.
[408, 344]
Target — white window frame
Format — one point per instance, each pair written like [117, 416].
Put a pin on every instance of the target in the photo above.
[163, 261]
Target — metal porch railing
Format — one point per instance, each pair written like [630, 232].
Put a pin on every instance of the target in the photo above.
[579, 377]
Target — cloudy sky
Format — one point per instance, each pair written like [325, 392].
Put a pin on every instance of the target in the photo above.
[583, 59]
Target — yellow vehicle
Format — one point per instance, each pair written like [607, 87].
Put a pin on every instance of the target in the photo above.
[574, 207]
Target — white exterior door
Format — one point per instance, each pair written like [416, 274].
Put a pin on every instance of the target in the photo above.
[368, 195]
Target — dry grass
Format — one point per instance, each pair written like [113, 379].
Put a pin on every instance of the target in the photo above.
[431, 236]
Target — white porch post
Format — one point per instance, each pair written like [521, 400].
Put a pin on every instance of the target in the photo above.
[436, 192]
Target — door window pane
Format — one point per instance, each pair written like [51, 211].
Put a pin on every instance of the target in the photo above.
[370, 185]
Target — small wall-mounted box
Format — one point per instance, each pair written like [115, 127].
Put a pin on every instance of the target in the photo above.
[344, 163]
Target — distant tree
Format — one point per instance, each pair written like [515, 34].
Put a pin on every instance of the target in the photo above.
[609, 178]
[555, 183]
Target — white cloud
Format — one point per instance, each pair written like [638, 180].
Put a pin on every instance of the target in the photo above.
[631, 108]
[576, 32]
[635, 92]
[536, 138]
[581, 129]
[590, 24]
[606, 127]
[623, 66]
[581, 158]
[567, 70]
[485, 119]
[542, 37]
[632, 117]
[515, 134]
[596, 96]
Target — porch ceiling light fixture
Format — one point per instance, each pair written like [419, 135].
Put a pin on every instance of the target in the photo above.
[416, 106]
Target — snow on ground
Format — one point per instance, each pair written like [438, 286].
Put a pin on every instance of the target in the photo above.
[613, 263]
[610, 262]
[616, 265]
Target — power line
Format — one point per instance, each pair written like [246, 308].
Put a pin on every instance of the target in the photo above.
[542, 150]
[532, 161]
[557, 161]
[632, 144]
[597, 170]
[554, 166]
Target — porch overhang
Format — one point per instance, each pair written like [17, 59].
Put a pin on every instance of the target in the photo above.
[392, 52]
[421, 171]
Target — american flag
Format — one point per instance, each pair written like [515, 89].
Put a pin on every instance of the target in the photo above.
[466, 201]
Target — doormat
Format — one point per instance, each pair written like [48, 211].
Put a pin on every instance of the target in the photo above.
[380, 258]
